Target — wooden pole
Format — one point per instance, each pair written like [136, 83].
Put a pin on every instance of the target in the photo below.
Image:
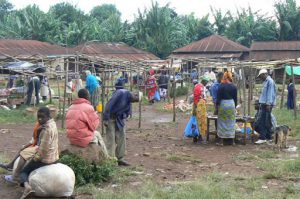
[174, 92]
[249, 91]
[294, 93]
[58, 90]
[244, 91]
[140, 102]
[65, 94]
[130, 79]
[102, 99]
[283, 88]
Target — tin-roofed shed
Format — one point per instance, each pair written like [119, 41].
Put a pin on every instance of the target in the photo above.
[212, 47]
[275, 50]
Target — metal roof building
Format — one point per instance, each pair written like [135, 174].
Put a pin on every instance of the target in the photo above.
[115, 51]
[212, 47]
[274, 50]
[28, 49]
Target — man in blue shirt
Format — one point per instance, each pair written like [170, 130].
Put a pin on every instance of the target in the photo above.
[117, 109]
[267, 101]
[214, 88]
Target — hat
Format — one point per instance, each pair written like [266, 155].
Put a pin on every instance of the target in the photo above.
[205, 78]
[262, 71]
[87, 72]
[195, 81]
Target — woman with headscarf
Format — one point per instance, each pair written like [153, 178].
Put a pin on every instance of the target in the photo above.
[226, 103]
[151, 86]
[199, 109]
[92, 85]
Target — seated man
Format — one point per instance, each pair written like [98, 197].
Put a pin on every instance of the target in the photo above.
[82, 121]
[47, 152]
[25, 154]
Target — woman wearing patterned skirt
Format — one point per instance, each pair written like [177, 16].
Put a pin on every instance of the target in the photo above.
[226, 103]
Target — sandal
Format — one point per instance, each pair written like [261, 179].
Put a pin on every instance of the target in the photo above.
[10, 179]
[4, 166]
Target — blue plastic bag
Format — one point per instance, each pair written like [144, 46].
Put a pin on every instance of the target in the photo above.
[191, 129]
[156, 96]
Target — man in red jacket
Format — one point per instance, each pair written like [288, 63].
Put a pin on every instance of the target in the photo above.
[82, 122]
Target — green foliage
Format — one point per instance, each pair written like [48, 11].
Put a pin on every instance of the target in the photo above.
[103, 12]
[180, 91]
[88, 173]
[288, 16]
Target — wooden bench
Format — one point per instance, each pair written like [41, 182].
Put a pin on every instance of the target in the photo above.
[242, 119]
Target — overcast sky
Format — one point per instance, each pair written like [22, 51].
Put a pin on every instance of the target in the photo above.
[129, 8]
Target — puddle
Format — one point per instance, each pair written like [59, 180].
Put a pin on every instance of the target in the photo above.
[161, 119]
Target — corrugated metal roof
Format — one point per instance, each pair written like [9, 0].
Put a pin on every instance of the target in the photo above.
[213, 43]
[113, 51]
[276, 45]
[271, 55]
[206, 55]
[28, 48]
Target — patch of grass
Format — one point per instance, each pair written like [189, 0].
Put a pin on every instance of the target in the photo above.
[281, 169]
[16, 116]
[286, 117]
[183, 158]
[3, 159]
[124, 173]
[213, 186]
[266, 154]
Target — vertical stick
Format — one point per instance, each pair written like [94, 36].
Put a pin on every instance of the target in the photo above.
[102, 99]
[244, 91]
[65, 94]
[294, 93]
[249, 91]
[58, 90]
[130, 79]
[174, 92]
[283, 88]
[140, 102]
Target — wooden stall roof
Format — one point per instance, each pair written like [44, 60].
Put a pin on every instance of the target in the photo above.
[117, 51]
[275, 50]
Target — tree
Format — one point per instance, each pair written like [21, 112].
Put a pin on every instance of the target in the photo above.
[5, 8]
[288, 16]
[220, 21]
[159, 30]
[250, 26]
[103, 12]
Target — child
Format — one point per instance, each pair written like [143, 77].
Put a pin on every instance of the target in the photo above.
[69, 90]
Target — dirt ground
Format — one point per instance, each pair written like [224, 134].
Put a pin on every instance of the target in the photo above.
[157, 152]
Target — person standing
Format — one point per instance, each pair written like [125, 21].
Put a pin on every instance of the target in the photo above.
[163, 81]
[44, 87]
[117, 109]
[92, 85]
[214, 89]
[151, 86]
[226, 103]
[33, 84]
[267, 101]
[199, 108]
[69, 90]
[47, 150]
[290, 96]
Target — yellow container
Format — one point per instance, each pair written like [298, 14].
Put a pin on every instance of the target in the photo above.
[99, 108]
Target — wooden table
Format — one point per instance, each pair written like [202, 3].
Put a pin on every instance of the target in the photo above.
[242, 119]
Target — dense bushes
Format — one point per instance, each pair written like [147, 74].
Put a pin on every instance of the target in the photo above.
[88, 173]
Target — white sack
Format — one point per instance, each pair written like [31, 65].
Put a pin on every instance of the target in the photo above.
[56, 180]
